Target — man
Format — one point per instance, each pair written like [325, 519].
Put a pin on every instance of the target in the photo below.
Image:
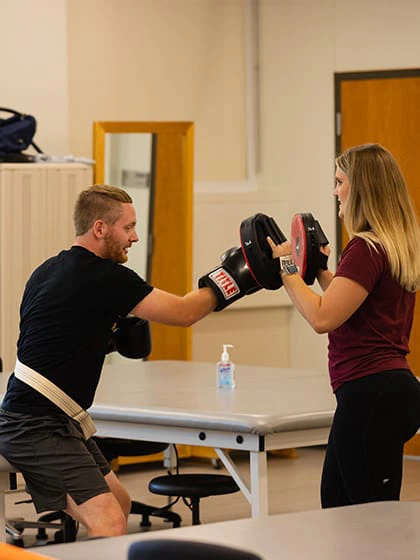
[69, 306]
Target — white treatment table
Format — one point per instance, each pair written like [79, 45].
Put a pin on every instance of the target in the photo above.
[178, 402]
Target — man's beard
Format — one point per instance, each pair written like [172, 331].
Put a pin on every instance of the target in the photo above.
[114, 251]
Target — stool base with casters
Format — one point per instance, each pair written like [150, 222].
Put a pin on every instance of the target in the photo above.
[146, 511]
[193, 487]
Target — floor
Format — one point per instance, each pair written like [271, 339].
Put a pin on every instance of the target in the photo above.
[293, 485]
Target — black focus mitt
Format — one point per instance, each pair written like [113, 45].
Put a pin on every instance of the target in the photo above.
[257, 252]
[307, 237]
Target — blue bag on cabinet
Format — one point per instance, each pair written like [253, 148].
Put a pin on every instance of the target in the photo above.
[16, 135]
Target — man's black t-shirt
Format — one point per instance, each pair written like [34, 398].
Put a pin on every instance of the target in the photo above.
[68, 309]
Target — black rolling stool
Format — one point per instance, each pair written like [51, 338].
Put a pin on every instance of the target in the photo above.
[193, 487]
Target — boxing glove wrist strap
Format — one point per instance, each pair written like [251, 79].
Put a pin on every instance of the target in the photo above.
[57, 396]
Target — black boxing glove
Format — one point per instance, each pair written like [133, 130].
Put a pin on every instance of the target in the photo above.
[131, 337]
[232, 280]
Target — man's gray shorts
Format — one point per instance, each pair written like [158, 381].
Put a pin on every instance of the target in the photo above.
[54, 458]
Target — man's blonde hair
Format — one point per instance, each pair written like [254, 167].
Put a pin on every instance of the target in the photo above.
[99, 202]
[379, 209]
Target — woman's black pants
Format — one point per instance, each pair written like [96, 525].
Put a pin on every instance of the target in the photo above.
[375, 416]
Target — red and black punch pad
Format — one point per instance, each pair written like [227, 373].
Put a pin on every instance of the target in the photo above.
[306, 238]
[257, 252]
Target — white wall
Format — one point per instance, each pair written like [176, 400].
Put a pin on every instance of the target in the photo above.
[76, 61]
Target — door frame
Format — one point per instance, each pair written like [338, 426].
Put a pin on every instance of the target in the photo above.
[170, 246]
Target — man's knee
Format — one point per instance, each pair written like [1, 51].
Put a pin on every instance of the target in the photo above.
[102, 515]
[119, 492]
[112, 524]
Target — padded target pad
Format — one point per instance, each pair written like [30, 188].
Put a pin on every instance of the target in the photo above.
[306, 238]
[257, 251]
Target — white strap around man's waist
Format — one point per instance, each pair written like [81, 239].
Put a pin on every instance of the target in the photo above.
[57, 396]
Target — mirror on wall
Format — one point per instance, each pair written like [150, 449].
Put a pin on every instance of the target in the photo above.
[153, 161]
[129, 163]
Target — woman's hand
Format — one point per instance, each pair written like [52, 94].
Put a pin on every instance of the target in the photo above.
[282, 250]
[324, 251]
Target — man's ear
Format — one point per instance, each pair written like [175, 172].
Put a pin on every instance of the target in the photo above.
[99, 229]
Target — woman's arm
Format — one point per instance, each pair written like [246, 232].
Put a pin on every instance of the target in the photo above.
[325, 312]
[324, 278]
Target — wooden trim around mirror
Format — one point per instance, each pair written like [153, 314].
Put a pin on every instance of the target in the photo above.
[171, 261]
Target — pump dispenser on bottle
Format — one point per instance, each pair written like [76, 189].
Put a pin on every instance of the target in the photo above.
[225, 370]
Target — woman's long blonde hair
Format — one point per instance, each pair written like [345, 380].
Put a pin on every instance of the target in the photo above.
[379, 209]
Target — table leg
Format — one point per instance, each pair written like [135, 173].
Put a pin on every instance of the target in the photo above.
[259, 483]
[234, 472]
[257, 495]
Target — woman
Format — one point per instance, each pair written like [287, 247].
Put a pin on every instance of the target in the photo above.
[367, 310]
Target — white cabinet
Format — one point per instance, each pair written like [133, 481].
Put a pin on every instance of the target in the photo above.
[36, 208]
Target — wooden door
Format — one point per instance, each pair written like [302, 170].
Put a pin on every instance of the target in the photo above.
[384, 107]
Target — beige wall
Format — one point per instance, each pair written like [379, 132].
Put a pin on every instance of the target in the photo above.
[377, 34]
[303, 42]
[161, 60]
[297, 128]
[77, 61]
[34, 68]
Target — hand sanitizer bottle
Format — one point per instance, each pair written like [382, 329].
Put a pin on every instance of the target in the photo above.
[225, 370]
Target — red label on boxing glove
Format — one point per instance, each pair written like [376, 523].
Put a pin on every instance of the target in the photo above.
[225, 283]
